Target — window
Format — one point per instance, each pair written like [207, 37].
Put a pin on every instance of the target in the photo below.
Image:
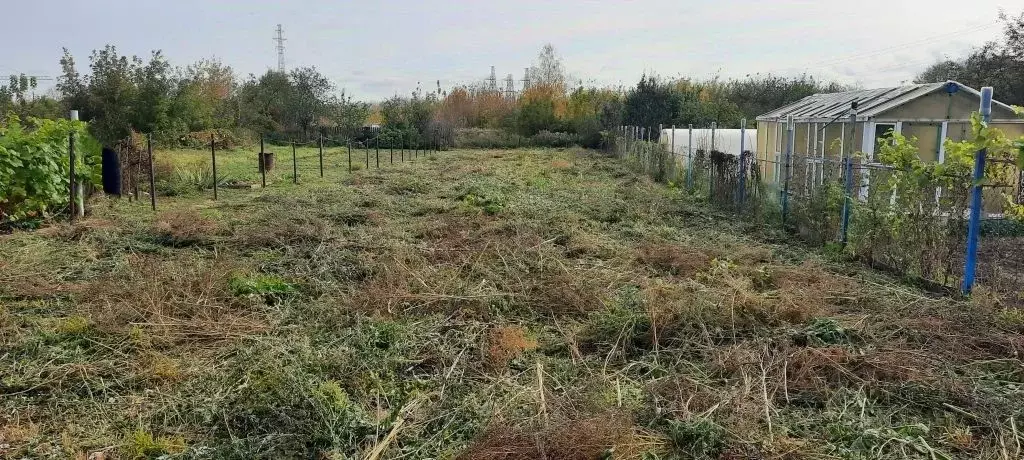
[883, 132]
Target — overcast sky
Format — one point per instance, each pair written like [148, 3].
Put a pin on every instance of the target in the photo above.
[375, 49]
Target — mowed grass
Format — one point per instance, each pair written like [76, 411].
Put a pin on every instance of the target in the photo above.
[480, 305]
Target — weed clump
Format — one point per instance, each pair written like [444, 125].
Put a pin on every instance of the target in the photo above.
[184, 228]
[142, 444]
[673, 260]
[698, 439]
[506, 343]
[482, 197]
[583, 438]
[270, 287]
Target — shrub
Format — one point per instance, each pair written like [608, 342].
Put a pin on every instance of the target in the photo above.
[485, 138]
[222, 138]
[34, 166]
[183, 228]
[550, 139]
[142, 444]
[700, 438]
[271, 288]
[623, 324]
[191, 178]
[487, 199]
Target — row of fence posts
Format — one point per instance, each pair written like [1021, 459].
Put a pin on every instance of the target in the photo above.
[75, 192]
[633, 134]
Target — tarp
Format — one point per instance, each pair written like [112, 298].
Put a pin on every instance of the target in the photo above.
[726, 141]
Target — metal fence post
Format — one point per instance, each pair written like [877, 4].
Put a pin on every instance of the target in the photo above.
[741, 193]
[295, 166]
[152, 171]
[629, 142]
[321, 145]
[673, 152]
[72, 182]
[349, 142]
[689, 158]
[714, 126]
[391, 146]
[263, 163]
[661, 163]
[376, 146]
[974, 224]
[711, 169]
[790, 145]
[138, 167]
[844, 237]
[213, 161]
[848, 183]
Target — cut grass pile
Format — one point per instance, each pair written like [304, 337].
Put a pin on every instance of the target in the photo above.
[479, 305]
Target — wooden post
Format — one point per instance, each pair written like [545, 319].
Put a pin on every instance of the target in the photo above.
[321, 156]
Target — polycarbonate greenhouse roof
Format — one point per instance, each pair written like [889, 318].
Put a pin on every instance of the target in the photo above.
[870, 102]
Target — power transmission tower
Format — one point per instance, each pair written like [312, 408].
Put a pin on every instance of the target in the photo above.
[510, 87]
[492, 81]
[280, 48]
[526, 79]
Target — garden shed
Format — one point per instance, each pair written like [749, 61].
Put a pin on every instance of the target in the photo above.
[931, 112]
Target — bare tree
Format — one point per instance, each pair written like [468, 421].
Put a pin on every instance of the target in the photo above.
[549, 69]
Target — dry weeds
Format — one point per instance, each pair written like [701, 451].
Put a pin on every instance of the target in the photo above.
[587, 314]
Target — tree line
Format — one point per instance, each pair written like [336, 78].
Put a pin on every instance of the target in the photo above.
[552, 104]
[119, 94]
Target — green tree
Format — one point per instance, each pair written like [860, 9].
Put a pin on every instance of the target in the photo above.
[70, 85]
[154, 83]
[212, 85]
[263, 102]
[756, 94]
[651, 102]
[999, 64]
[312, 94]
[112, 94]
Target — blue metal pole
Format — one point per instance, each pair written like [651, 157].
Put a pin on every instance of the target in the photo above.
[740, 194]
[848, 184]
[790, 145]
[974, 224]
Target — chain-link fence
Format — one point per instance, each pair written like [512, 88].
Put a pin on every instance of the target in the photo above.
[897, 220]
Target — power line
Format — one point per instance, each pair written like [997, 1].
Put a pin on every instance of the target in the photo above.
[881, 51]
[922, 41]
[37, 77]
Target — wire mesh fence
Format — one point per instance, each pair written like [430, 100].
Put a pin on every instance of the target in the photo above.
[873, 212]
[133, 166]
